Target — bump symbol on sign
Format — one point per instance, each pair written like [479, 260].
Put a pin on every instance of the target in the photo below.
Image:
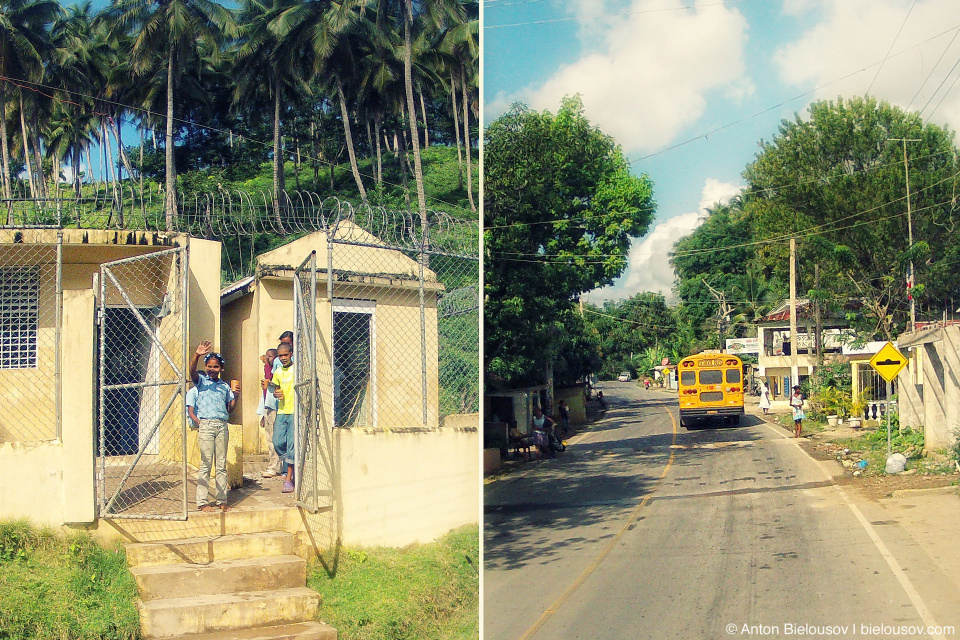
[888, 362]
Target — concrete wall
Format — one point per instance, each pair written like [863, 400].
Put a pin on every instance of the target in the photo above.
[401, 488]
[930, 385]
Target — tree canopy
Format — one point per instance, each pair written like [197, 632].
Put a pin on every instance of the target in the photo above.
[560, 210]
[836, 181]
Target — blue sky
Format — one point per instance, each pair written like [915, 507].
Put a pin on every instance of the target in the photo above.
[658, 73]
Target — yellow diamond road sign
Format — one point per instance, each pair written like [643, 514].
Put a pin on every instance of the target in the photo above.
[888, 362]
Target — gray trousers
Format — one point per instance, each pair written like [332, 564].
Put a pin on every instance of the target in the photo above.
[269, 417]
[214, 437]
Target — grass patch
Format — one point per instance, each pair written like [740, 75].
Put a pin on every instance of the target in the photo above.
[872, 447]
[56, 586]
[426, 592]
[810, 425]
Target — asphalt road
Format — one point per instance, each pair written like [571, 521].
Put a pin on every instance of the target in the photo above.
[643, 529]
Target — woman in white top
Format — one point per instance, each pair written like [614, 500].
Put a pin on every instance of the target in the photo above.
[764, 398]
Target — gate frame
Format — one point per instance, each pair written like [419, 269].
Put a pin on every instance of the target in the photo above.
[102, 503]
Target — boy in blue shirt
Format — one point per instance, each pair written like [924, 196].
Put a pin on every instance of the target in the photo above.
[214, 402]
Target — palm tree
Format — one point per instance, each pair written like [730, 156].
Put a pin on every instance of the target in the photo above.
[315, 30]
[459, 44]
[180, 28]
[401, 13]
[23, 41]
[263, 55]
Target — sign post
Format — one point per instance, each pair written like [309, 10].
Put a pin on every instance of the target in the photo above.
[888, 362]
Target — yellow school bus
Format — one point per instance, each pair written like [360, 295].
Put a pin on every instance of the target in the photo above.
[711, 389]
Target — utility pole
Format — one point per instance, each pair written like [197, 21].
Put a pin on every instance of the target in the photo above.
[910, 282]
[794, 363]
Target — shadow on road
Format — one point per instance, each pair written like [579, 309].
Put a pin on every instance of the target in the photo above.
[555, 509]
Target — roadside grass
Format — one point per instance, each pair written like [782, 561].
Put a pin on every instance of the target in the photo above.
[810, 426]
[871, 446]
[422, 592]
[63, 586]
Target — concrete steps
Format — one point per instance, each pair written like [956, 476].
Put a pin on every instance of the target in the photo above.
[208, 549]
[299, 631]
[224, 576]
[175, 617]
[248, 586]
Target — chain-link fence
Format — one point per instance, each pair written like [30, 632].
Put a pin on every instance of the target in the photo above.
[30, 324]
[141, 453]
[397, 327]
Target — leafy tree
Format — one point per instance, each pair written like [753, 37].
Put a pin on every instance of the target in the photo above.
[836, 181]
[560, 210]
[718, 255]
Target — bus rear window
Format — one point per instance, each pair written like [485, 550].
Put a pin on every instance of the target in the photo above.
[711, 376]
[688, 378]
[733, 375]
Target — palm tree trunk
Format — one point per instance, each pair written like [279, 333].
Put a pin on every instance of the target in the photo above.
[376, 131]
[26, 150]
[37, 156]
[76, 166]
[401, 158]
[466, 136]
[5, 151]
[111, 171]
[456, 124]
[90, 162]
[426, 129]
[123, 154]
[369, 140]
[279, 184]
[170, 197]
[349, 136]
[412, 110]
[313, 151]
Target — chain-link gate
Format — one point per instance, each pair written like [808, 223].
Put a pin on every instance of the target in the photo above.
[142, 316]
[312, 480]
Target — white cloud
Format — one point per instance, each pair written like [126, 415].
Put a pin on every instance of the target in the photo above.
[858, 33]
[644, 79]
[648, 265]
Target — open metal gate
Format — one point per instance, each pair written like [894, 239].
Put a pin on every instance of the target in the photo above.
[314, 390]
[142, 318]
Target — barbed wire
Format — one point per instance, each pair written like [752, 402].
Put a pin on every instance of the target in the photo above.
[233, 213]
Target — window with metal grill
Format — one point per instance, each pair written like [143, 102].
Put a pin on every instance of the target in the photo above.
[19, 315]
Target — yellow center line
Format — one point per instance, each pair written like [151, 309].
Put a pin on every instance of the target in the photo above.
[546, 615]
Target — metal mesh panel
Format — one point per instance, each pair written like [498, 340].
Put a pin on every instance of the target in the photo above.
[30, 307]
[404, 322]
[141, 465]
[313, 480]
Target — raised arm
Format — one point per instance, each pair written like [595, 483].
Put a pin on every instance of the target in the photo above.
[202, 349]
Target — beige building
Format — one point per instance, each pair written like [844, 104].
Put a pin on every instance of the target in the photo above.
[93, 327]
[390, 470]
[98, 328]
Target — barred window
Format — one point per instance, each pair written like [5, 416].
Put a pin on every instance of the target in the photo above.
[19, 311]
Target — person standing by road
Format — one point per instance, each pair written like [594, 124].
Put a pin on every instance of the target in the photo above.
[796, 403]
[764, 398]
[564, 411]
